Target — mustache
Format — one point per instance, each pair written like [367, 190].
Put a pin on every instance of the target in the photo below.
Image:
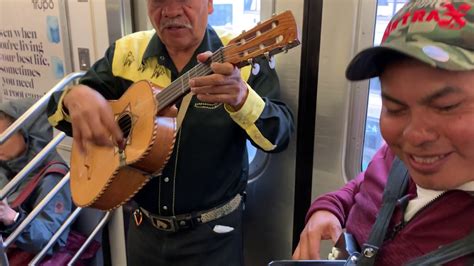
[174, 23]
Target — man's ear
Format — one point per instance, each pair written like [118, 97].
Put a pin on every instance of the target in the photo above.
[210, 7]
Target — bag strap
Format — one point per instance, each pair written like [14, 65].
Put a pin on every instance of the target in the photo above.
[35, 180]
[447, 253]
[396, 185]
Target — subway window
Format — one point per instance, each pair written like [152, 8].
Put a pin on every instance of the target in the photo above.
[235, 15]
[373, 139]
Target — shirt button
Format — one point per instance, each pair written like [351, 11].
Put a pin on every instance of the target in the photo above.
[165, 207]
[167, 179]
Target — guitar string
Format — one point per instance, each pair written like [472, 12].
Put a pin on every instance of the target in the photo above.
[175, 89]
[170, 93]
[199, 70]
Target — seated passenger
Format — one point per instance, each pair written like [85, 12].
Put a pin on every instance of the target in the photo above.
[426, 68]
[15, 153]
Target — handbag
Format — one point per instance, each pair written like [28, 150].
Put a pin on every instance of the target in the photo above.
[19, 257]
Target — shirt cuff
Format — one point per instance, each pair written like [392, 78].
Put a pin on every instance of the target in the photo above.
[246, 117]
[249, 112]
[16, 217]
[60, 113]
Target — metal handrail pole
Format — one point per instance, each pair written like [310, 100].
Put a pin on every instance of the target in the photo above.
[3, 256]
[30, 166]
[12, 237]
[70, 219]
[99, 226]
[39, 105]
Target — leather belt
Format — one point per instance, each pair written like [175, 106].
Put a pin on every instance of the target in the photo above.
[186, 221]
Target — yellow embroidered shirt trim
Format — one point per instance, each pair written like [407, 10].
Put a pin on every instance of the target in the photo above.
[246, 117]
[60, 114]
[128, 62]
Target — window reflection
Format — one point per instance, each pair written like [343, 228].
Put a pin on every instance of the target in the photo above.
[373, 139]
[235, 15]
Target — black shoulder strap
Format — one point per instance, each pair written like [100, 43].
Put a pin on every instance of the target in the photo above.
[447, 253]
[396, 185]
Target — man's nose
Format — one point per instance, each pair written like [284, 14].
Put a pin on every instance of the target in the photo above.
[420, 130]
[172, 9]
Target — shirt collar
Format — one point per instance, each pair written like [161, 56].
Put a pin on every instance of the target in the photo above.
[469, 186]
[155, 47]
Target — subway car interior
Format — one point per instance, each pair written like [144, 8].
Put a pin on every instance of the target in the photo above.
[47, 46]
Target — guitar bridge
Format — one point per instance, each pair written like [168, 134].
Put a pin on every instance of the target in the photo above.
[122, 158]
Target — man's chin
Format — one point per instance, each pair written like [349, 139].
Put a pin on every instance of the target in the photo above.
[431, 184]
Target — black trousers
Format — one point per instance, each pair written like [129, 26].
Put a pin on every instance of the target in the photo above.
[201, 245]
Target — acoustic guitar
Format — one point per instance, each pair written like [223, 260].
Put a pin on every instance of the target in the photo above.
[106, 177]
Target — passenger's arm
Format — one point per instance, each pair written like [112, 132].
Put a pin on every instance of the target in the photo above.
[328, 214]
[41, 229]
[338, 202]
[325, 220]
[7, 214]
[322, 225]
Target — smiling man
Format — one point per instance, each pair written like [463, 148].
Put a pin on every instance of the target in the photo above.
[426, 68]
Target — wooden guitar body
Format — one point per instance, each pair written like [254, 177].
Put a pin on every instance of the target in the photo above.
[104, 178]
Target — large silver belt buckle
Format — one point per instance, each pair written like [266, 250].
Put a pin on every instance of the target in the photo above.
[165, 224]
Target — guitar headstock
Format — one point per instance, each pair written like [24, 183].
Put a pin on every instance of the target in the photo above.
[270, 37]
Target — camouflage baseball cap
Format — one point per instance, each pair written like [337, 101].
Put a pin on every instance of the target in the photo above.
[437, 32]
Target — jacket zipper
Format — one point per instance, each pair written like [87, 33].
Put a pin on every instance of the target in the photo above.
[399, 227]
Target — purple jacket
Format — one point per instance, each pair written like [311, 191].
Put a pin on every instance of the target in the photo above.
[446, 219]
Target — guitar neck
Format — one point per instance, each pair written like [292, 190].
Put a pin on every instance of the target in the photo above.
[180, 86]
[270, 37]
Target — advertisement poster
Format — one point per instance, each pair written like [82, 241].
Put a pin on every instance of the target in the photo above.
[32, 47]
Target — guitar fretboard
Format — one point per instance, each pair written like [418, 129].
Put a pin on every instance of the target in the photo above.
[180, 86]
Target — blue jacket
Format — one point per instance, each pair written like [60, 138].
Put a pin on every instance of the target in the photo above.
[37, 134]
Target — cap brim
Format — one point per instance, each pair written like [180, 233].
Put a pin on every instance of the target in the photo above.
[370, 62]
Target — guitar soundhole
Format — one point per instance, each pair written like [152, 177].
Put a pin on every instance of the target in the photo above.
[125, 124]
